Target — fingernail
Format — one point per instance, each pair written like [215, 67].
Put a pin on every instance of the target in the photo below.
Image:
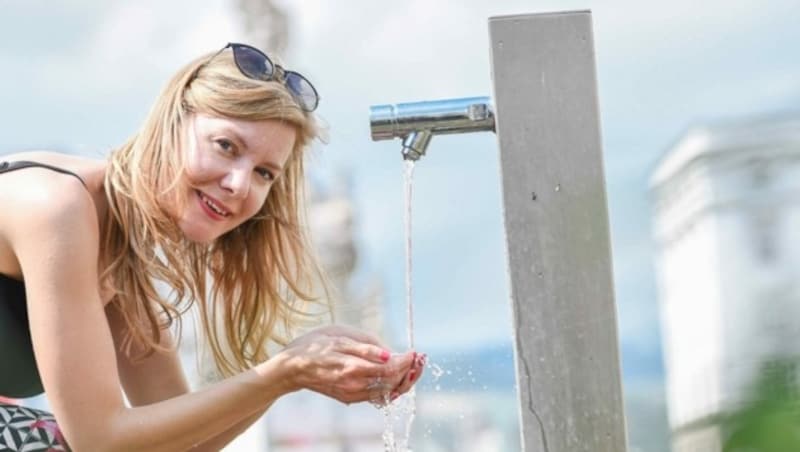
[385, 355]
[394, 396]
[412, 375]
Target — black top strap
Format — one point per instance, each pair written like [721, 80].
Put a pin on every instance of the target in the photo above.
[20, 164]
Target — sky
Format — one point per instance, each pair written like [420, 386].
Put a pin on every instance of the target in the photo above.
[81, 75]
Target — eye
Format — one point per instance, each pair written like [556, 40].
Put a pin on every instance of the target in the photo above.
[265, 173]
[226, 146]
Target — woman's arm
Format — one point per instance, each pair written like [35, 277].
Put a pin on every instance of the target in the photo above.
[160, 377]
[218, 442]
[152, 379]
[57, 246]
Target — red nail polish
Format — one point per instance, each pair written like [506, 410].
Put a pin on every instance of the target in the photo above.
[412, 375]
[385, 355]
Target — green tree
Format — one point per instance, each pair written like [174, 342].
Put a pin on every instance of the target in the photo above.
[769, 421]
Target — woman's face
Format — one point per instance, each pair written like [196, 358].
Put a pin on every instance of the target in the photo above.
[231, 165]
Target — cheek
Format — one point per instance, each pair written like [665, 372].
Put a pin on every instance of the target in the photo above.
[256, 201]
[202, 165]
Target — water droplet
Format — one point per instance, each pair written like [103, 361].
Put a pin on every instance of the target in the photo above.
[500, 44]
[558, 187]
[436, 371]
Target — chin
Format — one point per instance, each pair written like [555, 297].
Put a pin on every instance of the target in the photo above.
[198, 234]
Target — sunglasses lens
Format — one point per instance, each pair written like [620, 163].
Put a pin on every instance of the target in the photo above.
[253, 63]
[303, 90]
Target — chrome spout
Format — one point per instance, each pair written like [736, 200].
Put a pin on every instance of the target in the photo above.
[415, 144]
[416, 122]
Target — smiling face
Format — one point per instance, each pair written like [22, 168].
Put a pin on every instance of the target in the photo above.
[231, 165]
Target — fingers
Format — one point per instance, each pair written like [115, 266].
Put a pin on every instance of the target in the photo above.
[389, 365]
[393, 370]
[352, 366]
[367, 351]
[411, 377]
[368, 381]
[399, 365]
[386, 385]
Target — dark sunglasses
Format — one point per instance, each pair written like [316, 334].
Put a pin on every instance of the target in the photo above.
[255, 64]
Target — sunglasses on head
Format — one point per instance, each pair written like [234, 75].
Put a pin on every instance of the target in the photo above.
[256, 65]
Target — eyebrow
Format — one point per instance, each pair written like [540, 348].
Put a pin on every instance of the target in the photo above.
[244, 144]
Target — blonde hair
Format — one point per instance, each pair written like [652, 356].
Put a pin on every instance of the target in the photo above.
[261, 274]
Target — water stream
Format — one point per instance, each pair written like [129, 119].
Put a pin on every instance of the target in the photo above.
[408, 178]
[405, 406]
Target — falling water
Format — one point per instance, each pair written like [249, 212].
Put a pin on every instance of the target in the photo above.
[409, 177]
[412, 394]
[405, 405]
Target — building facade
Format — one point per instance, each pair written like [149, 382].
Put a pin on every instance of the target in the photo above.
[726, 226]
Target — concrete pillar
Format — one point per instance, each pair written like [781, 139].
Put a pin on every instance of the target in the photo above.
[557, 232]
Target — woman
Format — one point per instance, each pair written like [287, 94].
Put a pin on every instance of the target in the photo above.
[206, 197]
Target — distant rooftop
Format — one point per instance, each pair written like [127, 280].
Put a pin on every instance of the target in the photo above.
[714, 137]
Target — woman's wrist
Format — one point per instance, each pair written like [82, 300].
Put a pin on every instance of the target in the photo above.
[278, 373]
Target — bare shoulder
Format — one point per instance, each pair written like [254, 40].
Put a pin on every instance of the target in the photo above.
[48, 209]
[43, 201]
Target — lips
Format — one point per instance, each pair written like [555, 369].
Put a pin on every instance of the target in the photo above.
[213, 207]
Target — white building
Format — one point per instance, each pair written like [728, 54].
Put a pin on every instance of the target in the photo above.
[727, 232]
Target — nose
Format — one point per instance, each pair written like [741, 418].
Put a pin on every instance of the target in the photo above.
[237, 181]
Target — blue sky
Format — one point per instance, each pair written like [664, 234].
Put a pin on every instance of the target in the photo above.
[81, 75]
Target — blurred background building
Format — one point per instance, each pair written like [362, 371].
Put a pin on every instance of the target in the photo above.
[726, 219]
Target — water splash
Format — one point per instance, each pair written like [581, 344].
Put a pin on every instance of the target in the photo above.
[388, 431]
[436, 371]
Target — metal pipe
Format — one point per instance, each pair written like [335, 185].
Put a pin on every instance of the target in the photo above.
[416, 122]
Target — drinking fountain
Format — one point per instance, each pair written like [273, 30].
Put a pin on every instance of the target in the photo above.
[545, 114]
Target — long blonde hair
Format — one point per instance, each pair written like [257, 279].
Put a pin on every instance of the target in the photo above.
[261, 274]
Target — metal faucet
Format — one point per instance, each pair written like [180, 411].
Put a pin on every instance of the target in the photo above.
[416, 122]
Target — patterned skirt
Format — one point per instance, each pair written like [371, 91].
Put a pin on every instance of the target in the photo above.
[25, 429]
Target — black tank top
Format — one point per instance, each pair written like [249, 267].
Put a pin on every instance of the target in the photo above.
[19, 376]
